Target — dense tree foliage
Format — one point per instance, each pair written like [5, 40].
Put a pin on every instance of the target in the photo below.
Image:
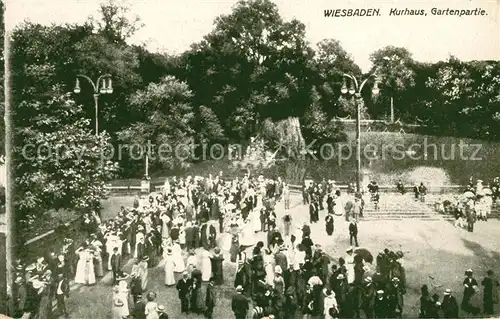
[247, 76]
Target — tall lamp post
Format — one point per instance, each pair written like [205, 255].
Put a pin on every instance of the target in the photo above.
[388, 60]
[355, 90]
[103, 85]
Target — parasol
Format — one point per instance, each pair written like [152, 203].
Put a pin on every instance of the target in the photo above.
[469, 194]
[365, 254]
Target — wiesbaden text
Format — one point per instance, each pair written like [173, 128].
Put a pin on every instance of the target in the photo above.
[339, 13]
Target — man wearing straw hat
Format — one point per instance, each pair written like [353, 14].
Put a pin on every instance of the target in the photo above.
[449, 305]
[184, 286]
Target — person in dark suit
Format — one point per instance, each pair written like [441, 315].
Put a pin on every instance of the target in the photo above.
[139, 311]
[217, 268]
[470, 286]
[210, 299]
[353, 232]
[240, 304]
[135, 287]
[212, 236]
[190, 239]
[161, 312]
[490, 285]
[243, 276]
[381, 305]
[184, 286]
[449, 305]
[270, 236]
[62, 292]
[306, 231]
[329, 224]
[116, 261]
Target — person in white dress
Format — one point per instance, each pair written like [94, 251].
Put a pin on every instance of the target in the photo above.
[169, 268]
[206, 265]
[255, 217]
[178, 259]
[338, 208]
[330, 302]
[349, 264]
[164, 229]
[299, 256]
[85, 267]
[269, 267]
[247, 234]
[192, 261]
[124, 293]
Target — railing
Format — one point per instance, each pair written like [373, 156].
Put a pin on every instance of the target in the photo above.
[128, 190]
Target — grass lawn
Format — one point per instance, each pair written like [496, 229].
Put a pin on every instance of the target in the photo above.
[432, 249]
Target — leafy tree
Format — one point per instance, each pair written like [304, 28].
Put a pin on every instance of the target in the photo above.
[467, 100]
[61, 163]
[253, 64]
[393, 66]
[331, 62]
[318, 127]
[116, 23]
[169, 124]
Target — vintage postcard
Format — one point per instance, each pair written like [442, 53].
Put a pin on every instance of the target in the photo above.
[250, 159]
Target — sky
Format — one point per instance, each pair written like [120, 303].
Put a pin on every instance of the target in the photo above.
[173, 25]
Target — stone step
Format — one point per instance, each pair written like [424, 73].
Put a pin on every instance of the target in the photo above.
[400, 218]
[378, 213]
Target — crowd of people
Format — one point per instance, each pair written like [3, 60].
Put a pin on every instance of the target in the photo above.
[474, 204]
[186, 228]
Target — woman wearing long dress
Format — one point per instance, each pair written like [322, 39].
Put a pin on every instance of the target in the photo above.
[235, 248]
[118, 308]
[45, 294]
[206, 266]
[169, 268]
[338, 209]
[125, 296]
[349, 263]
[85, 267]
[165, 232]
[247, 235]
[182, 237]
[269, 267]
[98, 267]
[255, 216]
[151, 309]
[143, 272]
[178, 259]
[192, 261]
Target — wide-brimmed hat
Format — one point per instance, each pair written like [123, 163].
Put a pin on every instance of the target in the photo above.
[169, 251]
[349, 249]
[161, 308]
[340, 276]
[380, 292]
[118, 303]
[239, 288]
[145, 258]
[368, 279]
[447, 292]
[278, 270]
[217, 250]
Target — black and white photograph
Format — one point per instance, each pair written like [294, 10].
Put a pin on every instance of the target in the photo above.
[250, 159]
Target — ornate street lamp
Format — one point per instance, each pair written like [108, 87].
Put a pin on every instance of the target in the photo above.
[103, 85]
[355, 90]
